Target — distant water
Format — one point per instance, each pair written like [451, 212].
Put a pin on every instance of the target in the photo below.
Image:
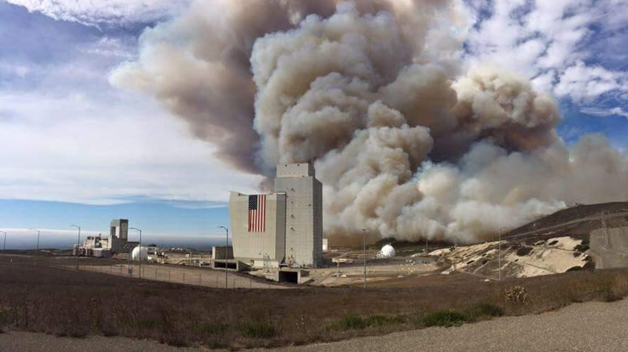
[48, 241]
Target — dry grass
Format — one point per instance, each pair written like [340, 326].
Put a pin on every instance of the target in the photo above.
[66, 303]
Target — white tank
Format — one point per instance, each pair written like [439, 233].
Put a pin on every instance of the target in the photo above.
[135, 254]
[387, 251]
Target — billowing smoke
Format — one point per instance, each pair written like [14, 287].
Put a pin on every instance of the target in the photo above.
[407, 143]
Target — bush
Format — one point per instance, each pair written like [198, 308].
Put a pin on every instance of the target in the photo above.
[376, 320]
[214, 329]
[355, 322]
[257, 330]
[607, 294]
[350, 322]
[517, 295]
[484, 310]
[146, 323]
[446, 318]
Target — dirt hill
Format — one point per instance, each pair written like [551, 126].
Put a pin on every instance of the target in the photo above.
[576, 221]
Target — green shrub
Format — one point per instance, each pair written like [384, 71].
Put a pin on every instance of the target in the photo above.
[446, 318]
[214, 328]
[355, 322]
[350, 322]
[376, 320]
[146, 323]
[608, 295]
[491, 310]
[257, 330]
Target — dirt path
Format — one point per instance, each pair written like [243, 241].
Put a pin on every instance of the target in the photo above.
[592, 326]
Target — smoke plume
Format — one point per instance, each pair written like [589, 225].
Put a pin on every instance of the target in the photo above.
[407, 142]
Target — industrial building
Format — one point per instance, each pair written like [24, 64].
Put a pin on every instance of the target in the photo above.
[117, 242]
[282, 228]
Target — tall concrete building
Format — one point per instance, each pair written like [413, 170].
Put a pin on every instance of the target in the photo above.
[284, 227]
[304, 213]
[118, 235]
[258, 245]
[117, 242]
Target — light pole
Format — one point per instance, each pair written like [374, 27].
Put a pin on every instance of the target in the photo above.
[140, 231]
[38, 234]
[364, 233]
[78, 245]
[4, 248]
[226, 256]
[499, 251]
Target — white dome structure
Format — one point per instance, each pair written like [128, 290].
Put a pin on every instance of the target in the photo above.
[135, 254]
[387, 251]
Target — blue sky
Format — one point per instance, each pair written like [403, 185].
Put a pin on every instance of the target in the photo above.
[75, 149]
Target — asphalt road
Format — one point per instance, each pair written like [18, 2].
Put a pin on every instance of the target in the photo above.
[593, 326]
[609, 247]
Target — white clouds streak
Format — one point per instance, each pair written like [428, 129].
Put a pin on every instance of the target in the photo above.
[95, 12]
[552, 42]
[77, 149]
[605, 112]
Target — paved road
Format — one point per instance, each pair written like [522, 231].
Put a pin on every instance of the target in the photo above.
[609, 247]
[592, 326]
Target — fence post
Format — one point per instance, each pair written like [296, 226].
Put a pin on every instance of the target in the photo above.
[184, 278]
[200, 280]
[169, 272]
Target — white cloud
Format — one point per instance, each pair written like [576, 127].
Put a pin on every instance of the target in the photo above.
[555, 43]
[112, 47]
[605, 112]
[77, 149]
[582, 82]
[95, 12]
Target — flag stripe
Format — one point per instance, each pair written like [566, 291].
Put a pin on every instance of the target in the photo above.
[257, 213]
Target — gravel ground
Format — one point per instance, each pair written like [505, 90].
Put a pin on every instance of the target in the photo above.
[592, 326]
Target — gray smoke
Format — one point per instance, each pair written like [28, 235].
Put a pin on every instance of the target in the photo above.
[407, 143]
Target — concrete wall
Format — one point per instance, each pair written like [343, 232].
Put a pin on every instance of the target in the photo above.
[120, 229]
[295, 170]
[118, 235]
[304, 218]
[222, 252]
[251, 246]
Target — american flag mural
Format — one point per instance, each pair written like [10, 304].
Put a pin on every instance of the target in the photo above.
[257, 213]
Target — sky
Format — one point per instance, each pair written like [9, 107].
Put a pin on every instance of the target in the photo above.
[76, 149]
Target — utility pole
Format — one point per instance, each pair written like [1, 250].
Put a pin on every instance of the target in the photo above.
[78, 243]
[140, 231]
[38, 234]
[226, 256]
[499, 250]
[603, 220]
[364, 232]
[4, 248]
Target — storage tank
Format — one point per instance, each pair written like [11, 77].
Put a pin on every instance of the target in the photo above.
[135, 254]
[387, 251]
